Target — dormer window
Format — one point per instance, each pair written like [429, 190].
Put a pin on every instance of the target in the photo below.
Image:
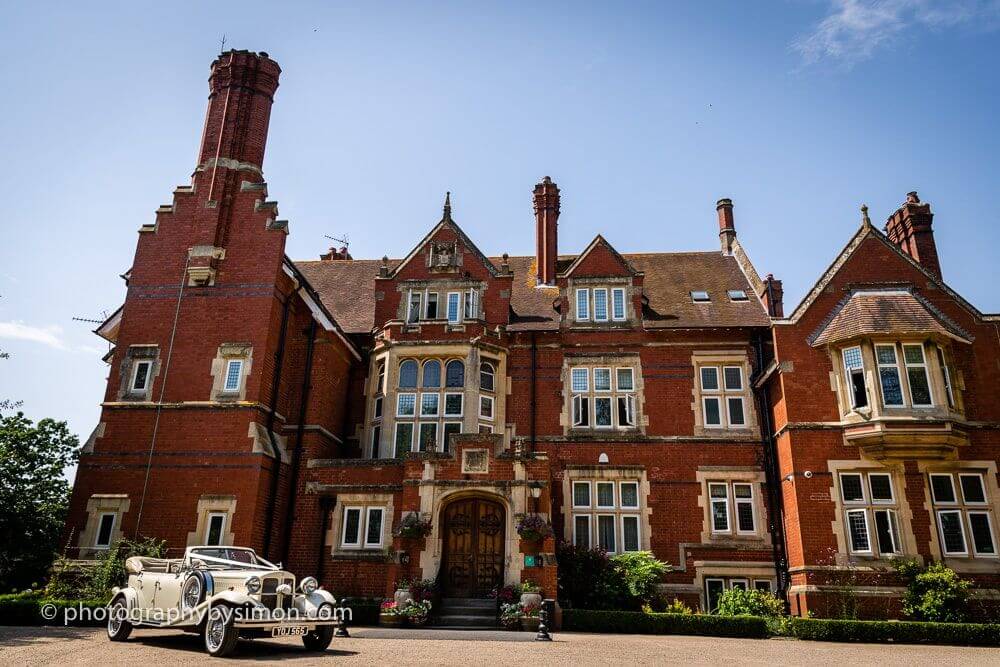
[600, 304]
[738, 295]
[700, 296]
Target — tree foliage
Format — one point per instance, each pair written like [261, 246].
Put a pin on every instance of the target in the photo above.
[591, 579]
[750, 602]
[34, 496]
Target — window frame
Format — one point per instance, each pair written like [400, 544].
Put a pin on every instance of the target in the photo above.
[100, 526]
[226, 389]
[381, 532]
[414, 306]
[461, 404]
[614, 530]
[597, 495]
[638, 532]
[879, 365]
[208, 528]
[951, 481]
[590, 497]
[926, 371]
[375, 442]
[618, 296]
[621, 495]
[427, 305]
[949, 387]
[607, 305]
[751, 501]
[972, 536]
[399, 397]
[590, 533]
[489, 400]
[871, 494]
[457, 298]
[582, 315]
[344, 544]
[982, 487]
[850, 534]
[492, 374]
[395, 437]
[961, 525]
[135, 374]
[436, 395]
[712, 501]
[849, 375]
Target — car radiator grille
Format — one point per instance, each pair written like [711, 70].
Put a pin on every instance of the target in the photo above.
[269, 596]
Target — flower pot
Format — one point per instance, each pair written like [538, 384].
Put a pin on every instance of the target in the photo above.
[529, 623]
[402, 597]
[417, 621]
[390, 620]
[531, 599]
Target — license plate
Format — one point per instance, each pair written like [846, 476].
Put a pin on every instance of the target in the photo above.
[289, 631]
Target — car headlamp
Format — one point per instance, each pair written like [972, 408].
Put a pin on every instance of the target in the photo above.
[253, 585]
[308, 585]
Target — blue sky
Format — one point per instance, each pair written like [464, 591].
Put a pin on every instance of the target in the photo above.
[644, 113]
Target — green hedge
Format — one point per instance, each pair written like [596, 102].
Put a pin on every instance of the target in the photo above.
[27, 610]
[902, 632]
[634, 622]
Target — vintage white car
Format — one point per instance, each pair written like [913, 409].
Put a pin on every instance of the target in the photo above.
[224, 593]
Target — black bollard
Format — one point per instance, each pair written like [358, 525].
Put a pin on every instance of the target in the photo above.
[543, 627]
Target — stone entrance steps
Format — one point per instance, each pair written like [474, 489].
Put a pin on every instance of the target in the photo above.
[472, 613]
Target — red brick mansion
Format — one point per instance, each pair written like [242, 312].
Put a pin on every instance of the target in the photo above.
[659, 401]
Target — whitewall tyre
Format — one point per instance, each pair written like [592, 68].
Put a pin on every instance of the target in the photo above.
[119, 627]
[220, 631]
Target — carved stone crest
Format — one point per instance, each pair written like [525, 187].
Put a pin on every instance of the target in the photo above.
[444, 256]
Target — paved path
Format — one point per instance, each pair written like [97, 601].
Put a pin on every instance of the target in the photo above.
[87, 646]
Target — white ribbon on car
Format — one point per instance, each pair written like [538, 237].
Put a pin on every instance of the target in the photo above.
[226, 561]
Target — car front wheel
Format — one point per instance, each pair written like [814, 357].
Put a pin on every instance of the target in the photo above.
[118, 626]
[220, 631]
[322, 635]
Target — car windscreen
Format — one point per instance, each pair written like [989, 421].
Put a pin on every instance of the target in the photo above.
[237, 555]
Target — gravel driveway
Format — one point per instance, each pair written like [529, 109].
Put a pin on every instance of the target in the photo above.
[87, 646]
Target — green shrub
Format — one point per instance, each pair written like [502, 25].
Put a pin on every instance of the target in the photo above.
[903, 632]
[26, 610]
[590, 579]
[108, 571]
[639, 572]
[750, 602]
[676, 607]
[933, 593]
[586, 620]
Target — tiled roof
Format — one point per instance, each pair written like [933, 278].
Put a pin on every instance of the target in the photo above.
[866, 312]
[347, 288]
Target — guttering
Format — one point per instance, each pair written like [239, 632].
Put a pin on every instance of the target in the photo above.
[772, 474]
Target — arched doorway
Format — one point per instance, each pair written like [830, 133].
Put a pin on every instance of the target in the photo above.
[473, 547]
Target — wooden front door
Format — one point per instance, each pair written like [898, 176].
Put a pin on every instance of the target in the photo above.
[473, 547]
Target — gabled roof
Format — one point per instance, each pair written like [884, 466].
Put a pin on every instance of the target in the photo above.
[885, 311]
[598, 241]
[864, 231]
[446, 221]
[347, 288]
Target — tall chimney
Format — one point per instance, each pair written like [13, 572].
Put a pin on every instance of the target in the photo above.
[910, 228]
[773, 296]
[727, 230]
[546, 201]
[241, 90]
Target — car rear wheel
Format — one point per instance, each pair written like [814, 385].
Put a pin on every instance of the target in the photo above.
[220, 631]
[118, 626]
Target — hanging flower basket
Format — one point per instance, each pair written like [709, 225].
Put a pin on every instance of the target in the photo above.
[412, 526]
[533, 528]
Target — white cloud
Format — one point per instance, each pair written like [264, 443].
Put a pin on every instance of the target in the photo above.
[855, 29]
[50, 335]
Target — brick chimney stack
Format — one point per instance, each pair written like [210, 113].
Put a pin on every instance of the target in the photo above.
[727, 229]
[773, 296]
[241, 90]
[546, 202]
[910, 228]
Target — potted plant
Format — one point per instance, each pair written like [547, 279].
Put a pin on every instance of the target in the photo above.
[389, 614]
[533, 528]
[511, 593]
[412, 526]
[402, 596]
[529, 617]
[531, 595]
[417, 613]
[510, 616]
